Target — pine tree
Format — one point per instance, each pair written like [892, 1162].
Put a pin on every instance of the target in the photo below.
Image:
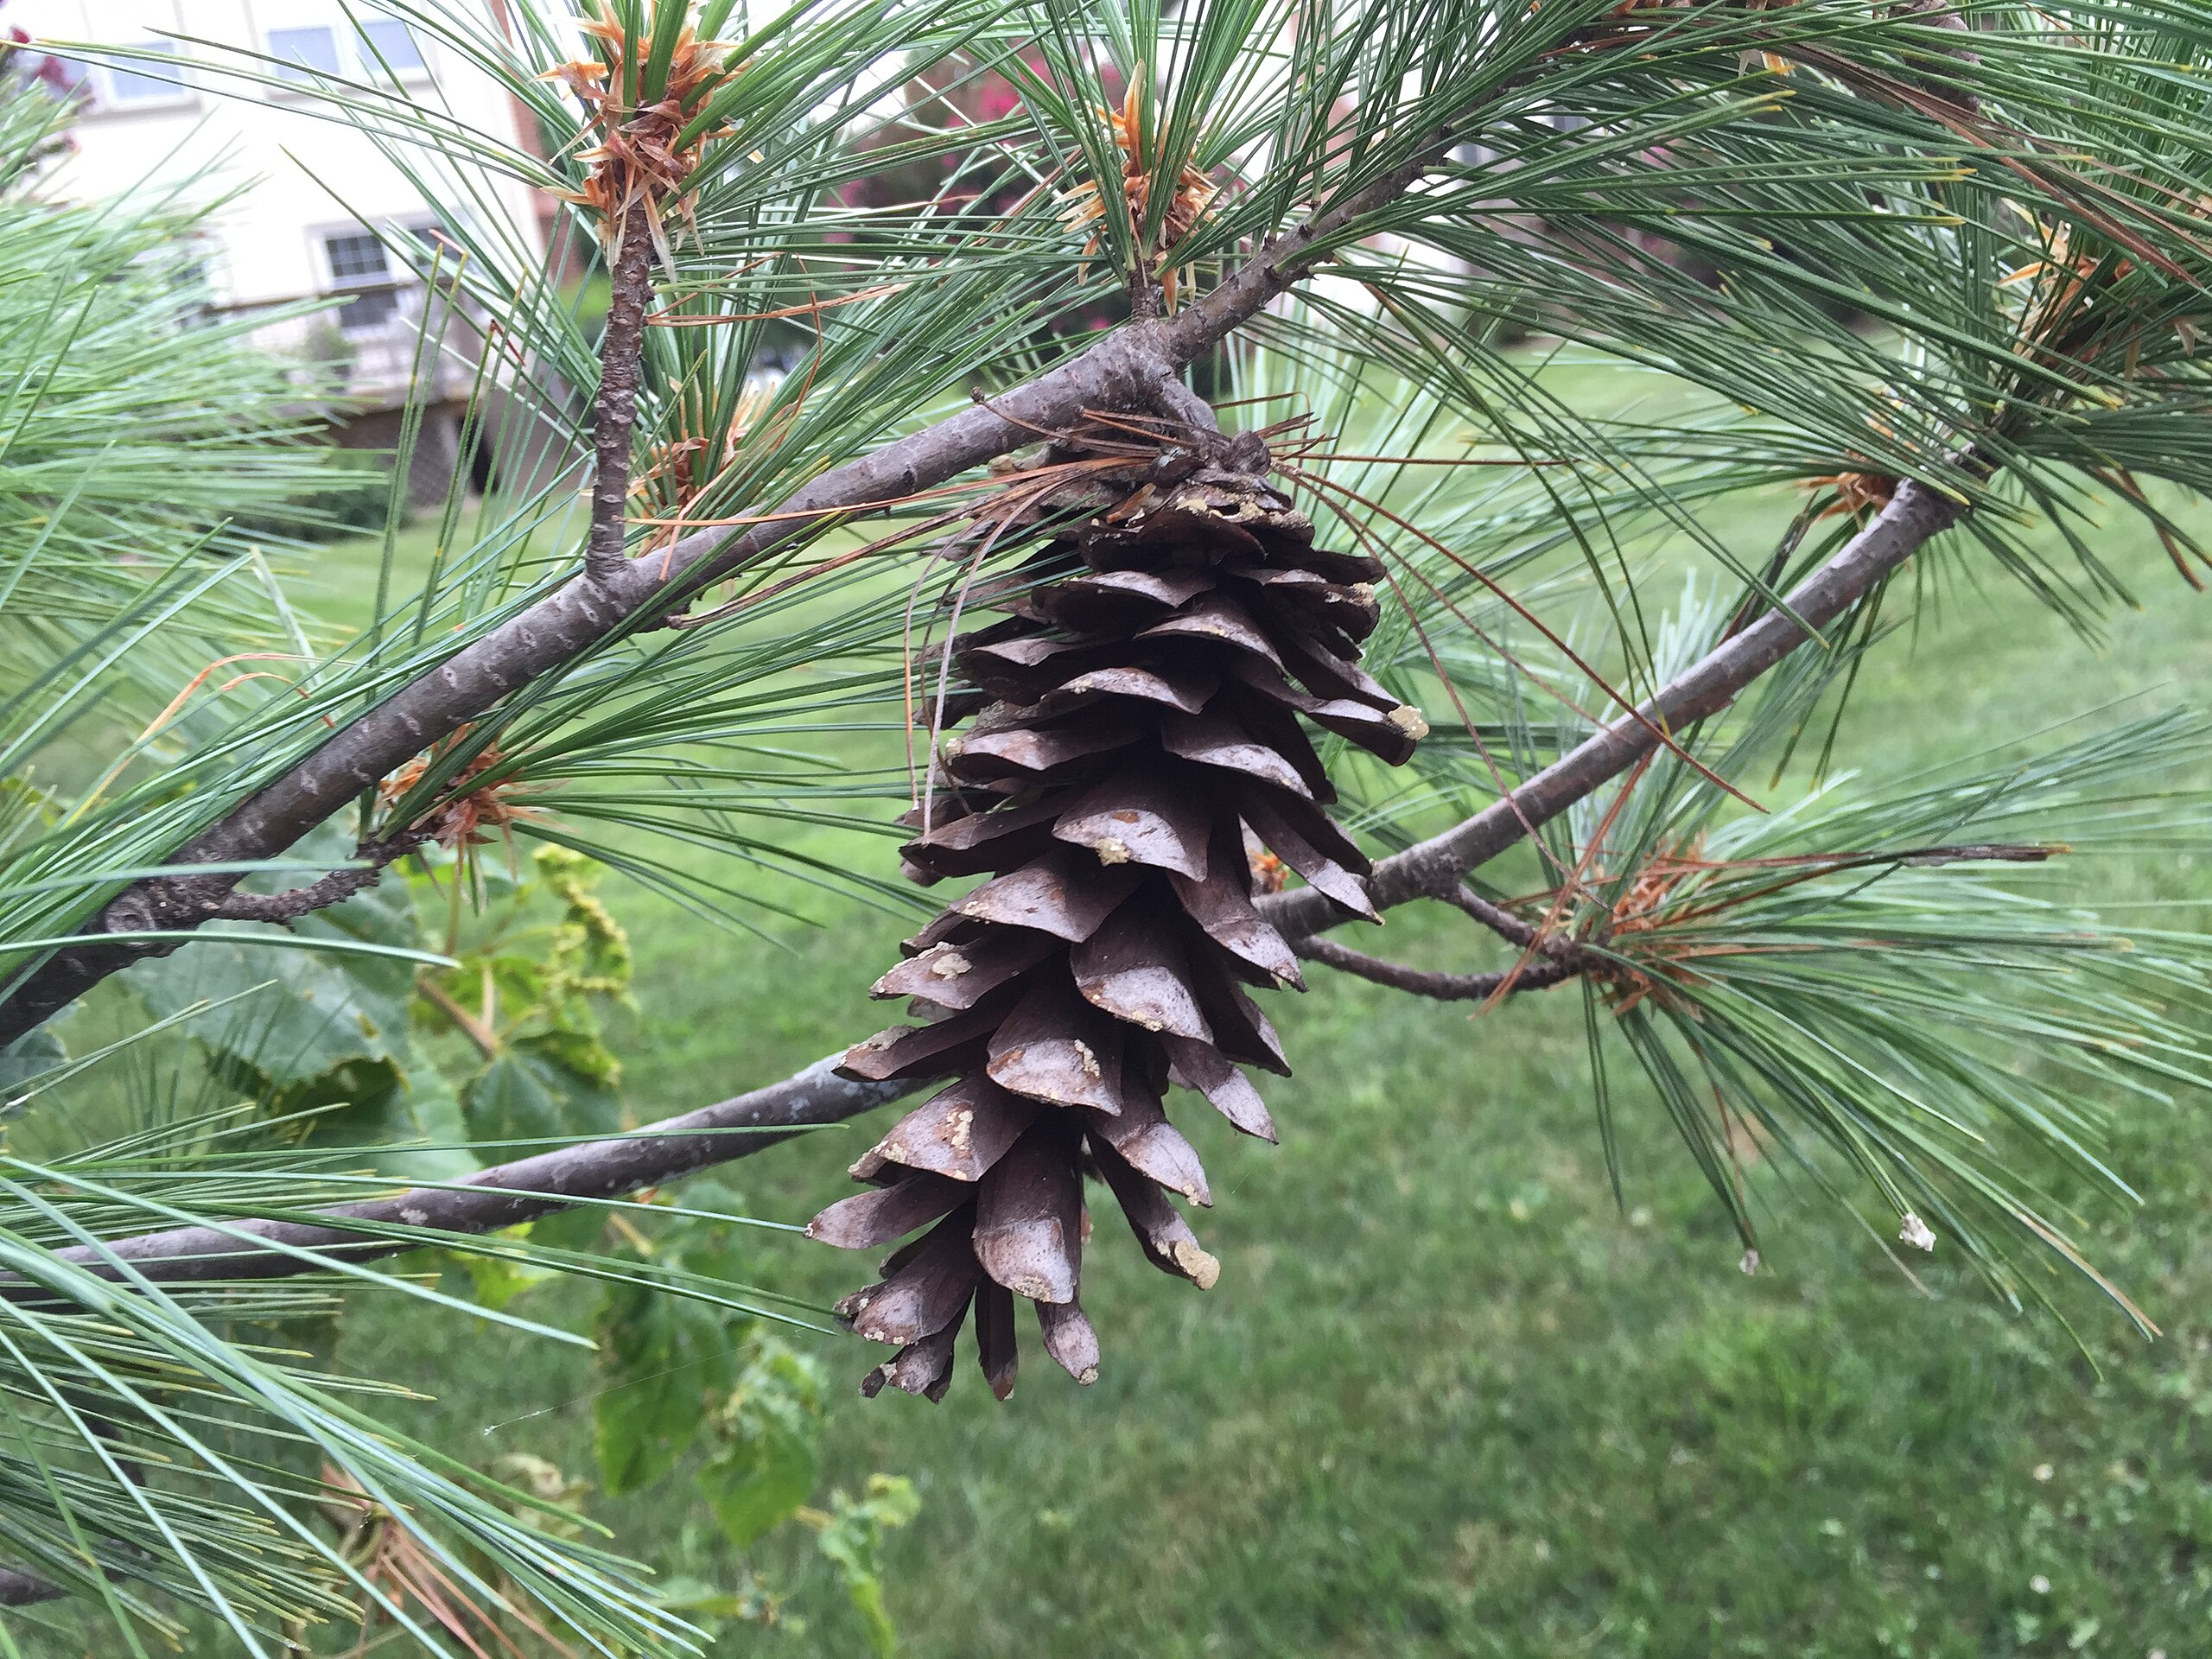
[1158, 480]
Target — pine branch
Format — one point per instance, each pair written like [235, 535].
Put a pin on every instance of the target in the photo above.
[1433, 867]
[1125, 370]
[517, 1192]
[492, 1200]
[614, 415]
[1504, 923]
[1439, 988]
[597, 1169]
[20, 1589]
[501, 1197]
[324, 891]
[1561, 958]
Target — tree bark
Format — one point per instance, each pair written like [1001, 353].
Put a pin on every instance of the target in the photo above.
[614, 411]
[21, 1589]
[1440, 987]
[501, 1197]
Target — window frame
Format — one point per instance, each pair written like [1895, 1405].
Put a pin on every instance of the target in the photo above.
[386, 284]
[176, 95]
[298, 75]
[353, 56]
[365, 50]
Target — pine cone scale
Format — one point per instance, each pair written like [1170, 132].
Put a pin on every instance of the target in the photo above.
[926, 1292]
[1055, 1047]
[1221, 906]
[1065, 893]
[1069, 1339]
[923, 1368]
[1112, 597]
[1217, 739]
[1185, 691]
[1228, 1090]
[924, 1050]
[958, 1133]
[1168, 1242]
[1136, 971]
[959, 976]
[995, 1348]
[1217, 617]
[1028, 1210]
[999, 756]
[1159, 816]
[1140, 1133]
[985, 841]
[869, 1221]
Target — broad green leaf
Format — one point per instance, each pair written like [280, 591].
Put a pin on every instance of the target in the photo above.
[425, 1119]
[528, 1093]
[298, 1015]
[299, 1029]
[772, 1431]
[760, 1483]
[665, 1360]
[495, 1280]
[580, 1054]
[33, 1052]
[511, 1099]
[849, 1540]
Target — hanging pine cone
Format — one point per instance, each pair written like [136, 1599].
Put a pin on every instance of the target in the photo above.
[1136, 730]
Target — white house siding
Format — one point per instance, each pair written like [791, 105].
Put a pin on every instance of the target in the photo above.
[304, 191]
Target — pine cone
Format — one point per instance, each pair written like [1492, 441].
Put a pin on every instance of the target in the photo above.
[1135, 719]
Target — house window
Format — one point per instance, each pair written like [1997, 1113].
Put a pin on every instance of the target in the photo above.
[368, 310]
[355, 257]
[381, 47]
[305, 55]
[437, 249]
[125, 88]
[389, 45]
[359, 263]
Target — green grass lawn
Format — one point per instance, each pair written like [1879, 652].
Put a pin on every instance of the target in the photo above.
[1448, 1398]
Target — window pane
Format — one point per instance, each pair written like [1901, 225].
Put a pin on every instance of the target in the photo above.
[302, 54]
[440, 250]
[371, 309]
[393, 43]
[355, 257]
[130, 86]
